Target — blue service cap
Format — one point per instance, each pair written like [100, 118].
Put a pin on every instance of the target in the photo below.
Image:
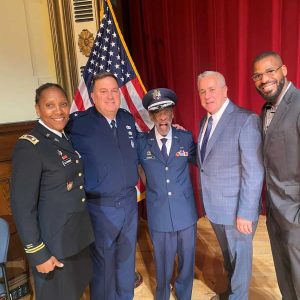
[158, 99]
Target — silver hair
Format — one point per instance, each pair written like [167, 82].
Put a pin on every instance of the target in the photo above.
[212, 73]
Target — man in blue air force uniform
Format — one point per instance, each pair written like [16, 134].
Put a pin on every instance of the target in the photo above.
[105, 137]
[164, 154]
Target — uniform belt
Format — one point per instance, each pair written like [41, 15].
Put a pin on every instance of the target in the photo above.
[113, 201]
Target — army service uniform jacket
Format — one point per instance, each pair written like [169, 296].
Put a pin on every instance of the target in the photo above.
[170, 198]
[47, 198]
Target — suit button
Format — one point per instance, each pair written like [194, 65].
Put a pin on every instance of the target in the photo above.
[169, 194]
[168, 180]
[79, 174]
[83, 199]
[81, 187]
[166, 168]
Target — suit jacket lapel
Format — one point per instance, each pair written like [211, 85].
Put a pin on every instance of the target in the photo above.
[220, 128]
[279, 114]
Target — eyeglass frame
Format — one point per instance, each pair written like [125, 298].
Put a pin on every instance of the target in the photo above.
[269, 73]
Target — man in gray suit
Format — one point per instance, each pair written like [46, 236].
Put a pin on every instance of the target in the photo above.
[231, 176]
[281, 149]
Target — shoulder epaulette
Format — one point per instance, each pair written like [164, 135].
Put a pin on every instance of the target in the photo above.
[184, 131]
[78, 114]
[29, 138]
[125, 111]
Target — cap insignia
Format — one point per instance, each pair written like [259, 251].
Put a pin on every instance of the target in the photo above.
[156, 94]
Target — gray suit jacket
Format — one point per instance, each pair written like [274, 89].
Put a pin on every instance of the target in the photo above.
[282, 160]
[231, 175]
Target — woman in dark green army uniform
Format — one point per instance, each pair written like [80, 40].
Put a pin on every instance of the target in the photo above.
[48, 202]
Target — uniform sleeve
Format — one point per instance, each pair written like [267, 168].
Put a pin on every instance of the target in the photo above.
[192, 151]
[26, 176]
[250, 143]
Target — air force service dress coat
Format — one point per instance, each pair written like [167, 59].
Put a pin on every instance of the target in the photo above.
[170, 198]
[110, 167]
[171, 210]
[48, 205]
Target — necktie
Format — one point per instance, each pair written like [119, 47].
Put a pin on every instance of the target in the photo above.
[205, 138]
[114, 129]
[64, 137]
[163, 150]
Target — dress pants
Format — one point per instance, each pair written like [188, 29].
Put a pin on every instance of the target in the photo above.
[166, 246]
[285, 245]
[113, 253]
[64, 283]
[237, 253]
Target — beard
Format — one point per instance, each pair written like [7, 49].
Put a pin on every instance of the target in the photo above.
[272, 98]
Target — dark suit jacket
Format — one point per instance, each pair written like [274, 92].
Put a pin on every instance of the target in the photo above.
[47, 198]
[282, 160]
[170, 199]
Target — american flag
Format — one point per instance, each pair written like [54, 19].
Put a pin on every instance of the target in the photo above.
[110, 54]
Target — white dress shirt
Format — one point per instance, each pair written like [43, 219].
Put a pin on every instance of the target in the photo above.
[216, 118]
[168, 137]
[59, 133]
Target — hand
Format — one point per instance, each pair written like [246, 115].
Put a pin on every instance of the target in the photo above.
[177, 126]
[243, 225]
[49, 265]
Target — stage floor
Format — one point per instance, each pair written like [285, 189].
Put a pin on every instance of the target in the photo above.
[210, 277]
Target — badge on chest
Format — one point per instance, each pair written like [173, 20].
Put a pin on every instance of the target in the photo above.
[149, 155]
[181, 152]
[65, 159]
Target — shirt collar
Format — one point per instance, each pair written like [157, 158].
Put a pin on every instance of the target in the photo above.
[50, 129]
[159, 136]
[109, 120]
[219, 113]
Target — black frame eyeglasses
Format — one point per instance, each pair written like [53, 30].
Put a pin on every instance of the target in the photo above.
[269, 73]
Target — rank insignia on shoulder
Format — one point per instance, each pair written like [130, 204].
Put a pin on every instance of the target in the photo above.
[29, 138]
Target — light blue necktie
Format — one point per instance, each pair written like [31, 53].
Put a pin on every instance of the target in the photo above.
[205, 138]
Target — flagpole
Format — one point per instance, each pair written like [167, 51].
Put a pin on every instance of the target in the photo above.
[125, 46]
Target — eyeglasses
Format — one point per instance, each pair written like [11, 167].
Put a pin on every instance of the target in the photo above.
[269, 73]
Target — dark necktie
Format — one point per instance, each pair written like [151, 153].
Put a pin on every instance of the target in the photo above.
[114, 129]
[163, 150]
[64, 137]
[205, 138]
